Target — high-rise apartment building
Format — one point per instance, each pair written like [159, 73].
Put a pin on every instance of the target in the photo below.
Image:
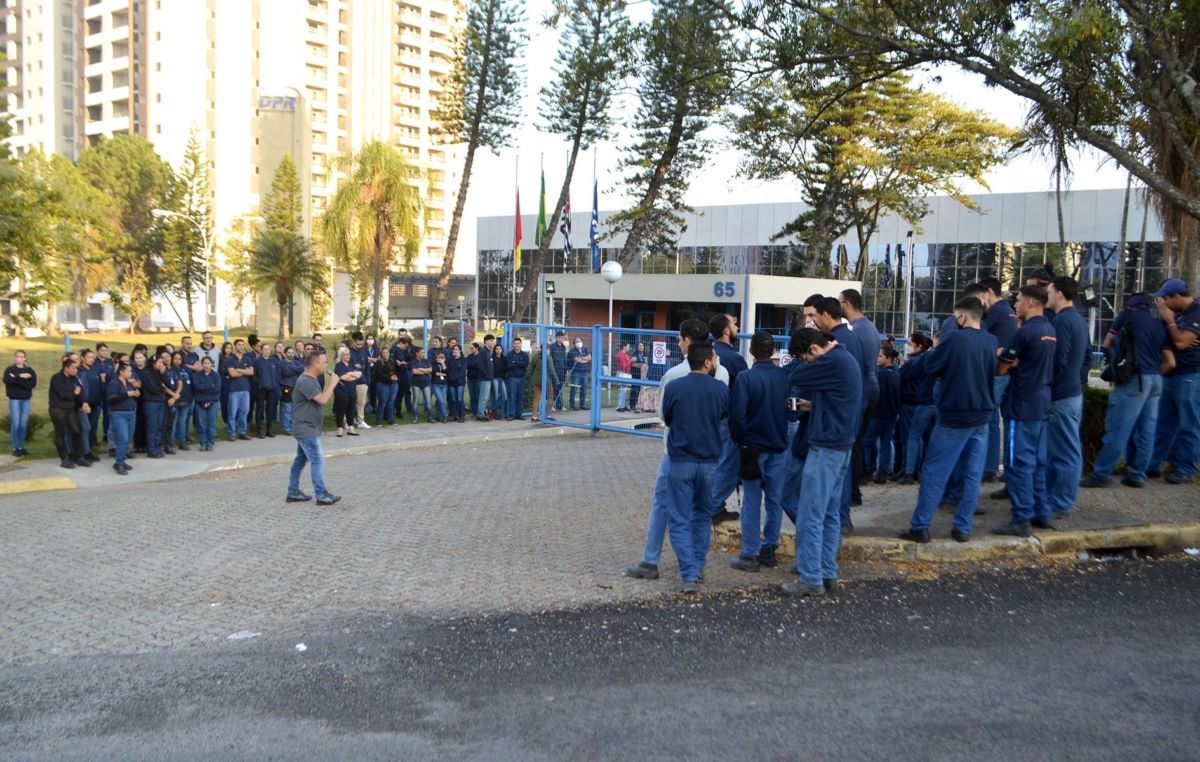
[255, 78]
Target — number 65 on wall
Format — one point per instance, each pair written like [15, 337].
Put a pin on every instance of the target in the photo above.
[724, 289]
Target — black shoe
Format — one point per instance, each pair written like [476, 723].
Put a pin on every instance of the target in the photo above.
[67, 463]
[169, 450]
[120, 469]
[128, 467]
[232, 438]
[1094, 482]
[1023, 529]
[689, 588]
[643, 571]
[93, 457]
[1177, 478]
[907, 479]
[328, 499]
[83, 463]
[1129, 481]
[184, 446]
[1060, 515]
[856, 502]
[1042, 524]
[1000, 494]
[745, 563]
[803, 590]
[896, 476]
[881, 477]
[298, 497]
[831, 586]
[989, 477]
[724, 515]
[1154, 473]
[848, 529]
[958, 536]
[980, 511]
[243, 437]
[23, 452]
[155, 455]
[766, 557]
[915, 535]
[129, 456]
[270, 434]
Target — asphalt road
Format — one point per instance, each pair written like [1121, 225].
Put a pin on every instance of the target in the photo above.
[1091, 662]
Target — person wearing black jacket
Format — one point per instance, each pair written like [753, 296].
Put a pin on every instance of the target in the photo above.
[66, 398]
[516, 362]
[499, 384]
[154, 403]
[206, 388]
[122, 397]
[486, 370]
[266, 395]
[387, 378]
[456, 372]
[439, 383]
[882, 431]
[402, 355]
[472, 361]
[19, 383]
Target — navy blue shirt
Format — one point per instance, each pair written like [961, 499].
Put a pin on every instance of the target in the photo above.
[912, 372]
[888, 406]
[1187, 361]
[93, 388]
[1033, 347]
[516, 362]
[1149, 334]
[457, 371]
[441, 372]
[241, 383]
[485, 366]
[1001, 322]
[360, 360]
[758, 407]
[833, 383]
[948, 325]
[731, 361]
[118, 395]
[694, 406]
[185, 391]
[206, 388]
[289, 371]
[423, 380]
[578, 366]
[1072, 354]
[869, 336]
[266, 370]
[345, 388]
[847, 338]
[965, 361]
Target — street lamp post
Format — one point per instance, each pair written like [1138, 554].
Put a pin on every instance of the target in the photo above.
[908, 270]
[611, 272]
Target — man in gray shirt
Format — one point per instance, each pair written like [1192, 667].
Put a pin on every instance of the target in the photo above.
[308, 417]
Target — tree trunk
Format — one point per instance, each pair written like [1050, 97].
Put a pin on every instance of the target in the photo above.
[188, 293]
[283, 331]
[637, 230]
[378, 279]
[1119, 296]
[1062, 235]
[539, 255]
[822, 233]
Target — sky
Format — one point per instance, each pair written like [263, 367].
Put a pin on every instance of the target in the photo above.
[496, 177]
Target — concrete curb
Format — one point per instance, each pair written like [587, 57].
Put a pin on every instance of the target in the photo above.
[466, 439]
[45, 484]
[1157, 538]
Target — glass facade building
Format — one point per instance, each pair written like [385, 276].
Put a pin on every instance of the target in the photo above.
[1007, 237]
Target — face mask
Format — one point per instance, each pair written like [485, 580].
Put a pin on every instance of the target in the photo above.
[579, 345]
[370, 342]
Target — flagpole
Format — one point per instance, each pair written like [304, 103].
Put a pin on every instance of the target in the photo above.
[517, 184]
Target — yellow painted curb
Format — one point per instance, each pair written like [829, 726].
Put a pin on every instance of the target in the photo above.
[1162, 538]
[21, 486]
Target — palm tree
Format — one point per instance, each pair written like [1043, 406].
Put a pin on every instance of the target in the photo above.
[376, 215]
[283, 261]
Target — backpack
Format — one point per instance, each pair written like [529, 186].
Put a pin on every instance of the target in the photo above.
[1121, 358]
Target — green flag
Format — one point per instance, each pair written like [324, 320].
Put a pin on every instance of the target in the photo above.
[540, 232]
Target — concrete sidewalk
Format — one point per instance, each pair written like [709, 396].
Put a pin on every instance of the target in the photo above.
[1158, 518]
[47, 475]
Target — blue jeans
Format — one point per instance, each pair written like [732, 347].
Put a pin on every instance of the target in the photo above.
[656, 528]
[183, 414]
[947, 449]
[499, 395]
[206, 424]
[878, 444]
[225, 392]
[1064, 452]
[819, 522]
[94, 425]
[473, 393]
[122, 422]
[439, 398]
[385, 405]
[454, 395]
[922, 422]
[1132, 411]
[726, 479]
[579, 383]
[902, 427]
[285, 416]
[18, 413]
[516, 398]
[689, 516]
[422, 395]
[999, 386]
[154, 412]
[308, 450]
[481, 402]
[770, 487]
[1025, 470]
[1178, 438]
[239, 413]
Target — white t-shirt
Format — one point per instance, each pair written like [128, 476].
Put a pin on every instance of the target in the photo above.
[679, 371]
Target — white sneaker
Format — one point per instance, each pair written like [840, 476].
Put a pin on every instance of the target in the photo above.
[364, 425]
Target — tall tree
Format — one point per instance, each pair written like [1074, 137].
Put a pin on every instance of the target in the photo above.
[186, 256]
[1097, 73]
[375, 217]
[882, 147]
[28, 210]
[592, 62]
[283, 208]
[282, 261]
[684, 63]
[127, 170]
[482, 105]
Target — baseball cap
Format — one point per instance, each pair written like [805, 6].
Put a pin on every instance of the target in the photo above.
[1173, 287]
